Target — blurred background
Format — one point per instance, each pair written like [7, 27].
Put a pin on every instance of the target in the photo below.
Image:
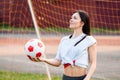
[52, 18]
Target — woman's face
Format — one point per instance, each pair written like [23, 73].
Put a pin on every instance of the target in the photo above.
[75, 21]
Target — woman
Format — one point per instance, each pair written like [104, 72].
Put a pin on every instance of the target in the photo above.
[76, 51]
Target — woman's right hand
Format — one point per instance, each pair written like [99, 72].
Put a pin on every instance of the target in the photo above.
[37, 59]
[53, 61]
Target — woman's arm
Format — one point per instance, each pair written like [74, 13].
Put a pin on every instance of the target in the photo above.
[93, 60]
[53, 62]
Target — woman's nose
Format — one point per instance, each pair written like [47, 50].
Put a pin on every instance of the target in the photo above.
[71, 20]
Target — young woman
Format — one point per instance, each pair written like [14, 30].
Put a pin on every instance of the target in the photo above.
[76, 51]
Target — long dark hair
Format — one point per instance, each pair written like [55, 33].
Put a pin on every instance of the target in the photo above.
[85, 18]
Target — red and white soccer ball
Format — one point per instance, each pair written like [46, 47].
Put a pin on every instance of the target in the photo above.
[34, 48]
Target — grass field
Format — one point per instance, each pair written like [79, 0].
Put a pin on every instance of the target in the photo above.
[94, 30]
[5, 75]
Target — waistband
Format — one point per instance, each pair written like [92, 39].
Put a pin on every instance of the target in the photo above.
[65, 77]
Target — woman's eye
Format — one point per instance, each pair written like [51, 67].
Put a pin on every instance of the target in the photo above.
[75, 18]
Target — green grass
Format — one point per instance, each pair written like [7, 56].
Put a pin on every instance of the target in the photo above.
[102, 30]
[6, 75]
[8, 28]
[56, 29]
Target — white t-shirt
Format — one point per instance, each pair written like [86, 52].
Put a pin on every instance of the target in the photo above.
[67, 52]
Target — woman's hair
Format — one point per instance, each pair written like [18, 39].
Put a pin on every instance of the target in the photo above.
[85, 18]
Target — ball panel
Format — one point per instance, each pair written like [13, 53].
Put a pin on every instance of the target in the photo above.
[30, 48]
[38, 54]
[40, 45]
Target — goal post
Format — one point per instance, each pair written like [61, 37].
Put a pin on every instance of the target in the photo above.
[34, 19]
[38, 33]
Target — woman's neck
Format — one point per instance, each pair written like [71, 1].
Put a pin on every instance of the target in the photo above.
[77, 32]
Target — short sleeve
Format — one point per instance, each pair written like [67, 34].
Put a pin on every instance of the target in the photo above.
[58, 55]
[91, 41]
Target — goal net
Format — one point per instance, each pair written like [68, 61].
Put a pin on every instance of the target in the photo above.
[52, 18]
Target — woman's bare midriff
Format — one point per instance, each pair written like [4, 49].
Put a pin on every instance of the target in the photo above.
[75, 71]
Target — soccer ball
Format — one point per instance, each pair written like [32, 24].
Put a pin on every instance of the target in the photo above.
[34, 48]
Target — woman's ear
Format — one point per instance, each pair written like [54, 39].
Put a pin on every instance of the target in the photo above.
[81, 24]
